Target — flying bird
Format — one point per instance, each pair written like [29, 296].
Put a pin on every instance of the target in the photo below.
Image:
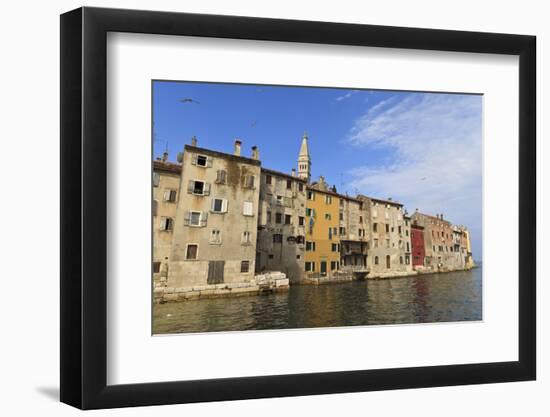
[422, 179]
[189, 100]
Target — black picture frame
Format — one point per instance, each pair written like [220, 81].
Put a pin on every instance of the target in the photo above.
[84, 207]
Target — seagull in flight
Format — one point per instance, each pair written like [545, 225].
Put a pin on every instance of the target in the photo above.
[189, 100]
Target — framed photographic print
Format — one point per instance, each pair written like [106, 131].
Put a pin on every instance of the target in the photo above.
[257, 208]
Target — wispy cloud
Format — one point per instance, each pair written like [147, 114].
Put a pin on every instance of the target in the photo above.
[347, 95]
[433, 143]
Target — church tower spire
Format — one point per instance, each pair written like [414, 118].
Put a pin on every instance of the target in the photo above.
[304, 161]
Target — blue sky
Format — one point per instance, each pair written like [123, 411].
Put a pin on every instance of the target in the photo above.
[422, 149]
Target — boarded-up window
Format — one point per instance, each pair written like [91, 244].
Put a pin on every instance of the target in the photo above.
[156, 179]
[249, 181]
[248, 208]
[192, 251]
[156, 267]
[221, 176]
[245, 266]
[215, 272]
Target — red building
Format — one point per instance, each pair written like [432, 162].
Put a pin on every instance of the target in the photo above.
[417, 242]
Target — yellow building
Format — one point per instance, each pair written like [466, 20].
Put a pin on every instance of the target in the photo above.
[322, 256]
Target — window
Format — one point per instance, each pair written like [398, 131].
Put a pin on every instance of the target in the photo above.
[375, 227]
[300, 239]
[386, 214]
[335, 248]
[376, 260]
[215, 237]
[333, 265]
[156, 267]
[401, 260]
[310, 266]
[291, 239]
[360, 219]
[361, 232]
[298, 256]
[342, 231]
[277, 238]
[245, 266]
[300, 187]
[434, 248]
[155, 207]
[166, 223]
[270, 256]
[268, 217]
[387, 243]
[310, 195]
[278, 218]
[374, 213]
[328, 199]
[280, 200]
[308, 212]
[249, 181]
[375, 243]
[268, 179]
[288, 219]
[191, 252]
[300, 220]
[407, 260]
[289, 184]
[170, 195]
[408, 247]
[219, 205]
[400, 245]
[248, 208]
[198, 188]
[328, 216]
[245, 238]
[388, 261]
[341, 216]
[310, 246]
[156, 179]
[221, 176]
[406, 233]
[195, 218]
[399, 229]
[335, 231]
[387, 228]
[202, 160]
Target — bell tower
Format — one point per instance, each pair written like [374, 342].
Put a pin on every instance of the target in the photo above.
[304, 161]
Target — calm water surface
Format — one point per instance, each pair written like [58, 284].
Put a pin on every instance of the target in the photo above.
[454, 296]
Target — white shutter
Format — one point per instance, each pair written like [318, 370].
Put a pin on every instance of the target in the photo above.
[206, 189]
[204, 218]
[247, 208]
[209, 162]
[213, 204]
[224, 206]
[187, 218]
[163, 223]
[194, 159]
[166, 195]
[190, 186]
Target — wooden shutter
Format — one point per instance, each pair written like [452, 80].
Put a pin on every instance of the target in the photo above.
[215, 272]
[194, 159]
[204, 218]
[187, 218]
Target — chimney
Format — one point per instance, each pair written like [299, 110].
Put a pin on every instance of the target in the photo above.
[237, 149]
[255, 153]
[293, 172]
[165, 156]
[194, 141]
[441, 216]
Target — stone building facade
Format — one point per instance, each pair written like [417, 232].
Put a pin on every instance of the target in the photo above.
[282, 224]
[166, 186]
[223, 223]
[389, 238]
[214, 241]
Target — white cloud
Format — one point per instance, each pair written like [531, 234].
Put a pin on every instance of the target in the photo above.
[434, 141]
[347, 95]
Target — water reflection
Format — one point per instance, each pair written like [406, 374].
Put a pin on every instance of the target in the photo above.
[453, 296]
